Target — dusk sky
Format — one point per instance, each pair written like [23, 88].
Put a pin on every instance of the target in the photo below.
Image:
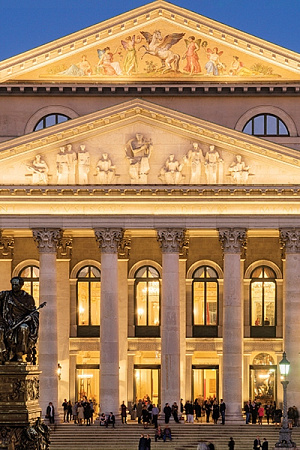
[26, 24]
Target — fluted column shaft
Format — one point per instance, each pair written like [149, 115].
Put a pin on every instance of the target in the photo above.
[170, 240]
[47, 241]
[232, 242]
[291, 321]
[108, 240]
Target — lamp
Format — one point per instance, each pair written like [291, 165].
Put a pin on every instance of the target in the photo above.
[59, 369]
[285, 433]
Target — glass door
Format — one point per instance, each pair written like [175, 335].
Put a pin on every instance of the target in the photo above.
[205, 382]
[147, 383]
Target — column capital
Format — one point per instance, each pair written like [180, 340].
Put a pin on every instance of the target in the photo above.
[64, 248]
[233, 240]
[109, 239]
[171, 239]
[6, 246]
[47, 239]
[290, 239]
[124, 248]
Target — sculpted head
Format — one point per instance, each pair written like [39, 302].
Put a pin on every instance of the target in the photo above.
[17, 283]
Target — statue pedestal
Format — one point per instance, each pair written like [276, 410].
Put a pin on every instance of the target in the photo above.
[19, 407]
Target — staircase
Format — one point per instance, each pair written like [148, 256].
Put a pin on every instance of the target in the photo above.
[185, 436]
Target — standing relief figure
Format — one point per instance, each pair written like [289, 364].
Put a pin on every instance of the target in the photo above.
[62, 166]
[170, 173]
[72, 159]
[105, 170]
[39, 170]
[138, 151]
[213, 166]
[194, 159]
[83, 165]
[239, 171]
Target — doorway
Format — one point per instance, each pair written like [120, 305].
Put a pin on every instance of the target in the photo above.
[205, 382]
[147, 383]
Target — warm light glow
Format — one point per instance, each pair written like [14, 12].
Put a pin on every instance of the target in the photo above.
[140, 312]
[81, 310]
[85, 375]
[59, 370]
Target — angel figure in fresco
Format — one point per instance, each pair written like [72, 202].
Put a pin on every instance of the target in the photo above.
[106, 64]
[105, 170]
[214, 66]
[82, 68]
[239, 171]
[194, 159]
[130, 64]
[39, 170]
[191, 56]
[171, 171]
[160, 47]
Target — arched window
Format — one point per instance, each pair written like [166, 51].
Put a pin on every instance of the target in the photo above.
[88, 301]
[30, 275]
[49, 120]
[263, 302]
[266, 125]
[205, 301]
[147, 301]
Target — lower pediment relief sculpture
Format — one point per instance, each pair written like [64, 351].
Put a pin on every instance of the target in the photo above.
[138, 151]
[197, 165]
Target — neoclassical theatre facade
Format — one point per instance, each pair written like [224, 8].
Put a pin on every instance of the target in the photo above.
[149, 193]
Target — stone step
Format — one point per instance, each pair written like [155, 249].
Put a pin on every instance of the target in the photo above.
[185, 436]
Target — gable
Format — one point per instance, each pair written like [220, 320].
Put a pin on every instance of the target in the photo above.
[159, 41]
[138, 143]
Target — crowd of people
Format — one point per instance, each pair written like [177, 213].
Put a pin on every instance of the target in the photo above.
[255, 413]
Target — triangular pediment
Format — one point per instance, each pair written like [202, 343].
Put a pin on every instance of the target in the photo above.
[158, 41]
[138, 142]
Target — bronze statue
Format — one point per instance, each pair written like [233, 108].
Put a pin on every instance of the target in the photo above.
[19, 323]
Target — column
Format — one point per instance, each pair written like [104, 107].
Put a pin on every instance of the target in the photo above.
[63, 317]
[170, 240]
[47, 241]
[291, 310]
[123, 255]
[182, 324]
[108, 239]
[6, 252]
[232, 240]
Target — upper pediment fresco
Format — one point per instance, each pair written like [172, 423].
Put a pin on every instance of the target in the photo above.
[138, 143]
[159, 41]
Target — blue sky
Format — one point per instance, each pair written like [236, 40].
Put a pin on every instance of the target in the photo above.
[26, 24]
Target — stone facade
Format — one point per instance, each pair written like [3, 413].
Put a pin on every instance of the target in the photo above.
[153, 193]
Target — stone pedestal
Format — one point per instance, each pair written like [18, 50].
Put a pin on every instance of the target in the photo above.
[20, 412]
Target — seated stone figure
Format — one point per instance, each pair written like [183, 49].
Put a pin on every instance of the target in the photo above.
[19, 322]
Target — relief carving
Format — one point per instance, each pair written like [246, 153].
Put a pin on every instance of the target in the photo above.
[170, 173]
[213, 166]
[83, 165]
[62, 166]
[138, 151]
[39, 170]
[239, 171]
[106, 171]
[194, 160]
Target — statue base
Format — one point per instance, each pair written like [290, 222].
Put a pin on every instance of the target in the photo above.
[20, 423]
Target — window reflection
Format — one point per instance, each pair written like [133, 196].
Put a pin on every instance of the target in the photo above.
[205, 296]
[88, 296]
[147, 296]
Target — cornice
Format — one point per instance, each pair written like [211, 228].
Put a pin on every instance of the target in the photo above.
[152, 89]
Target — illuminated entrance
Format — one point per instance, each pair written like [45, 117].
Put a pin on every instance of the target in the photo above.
[205, 382]
[263, 378]
[147, 382]
[87, 383]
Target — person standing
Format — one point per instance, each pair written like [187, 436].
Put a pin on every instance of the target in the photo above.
[222, 411]
[148, 442]
[247, 411]
[175, 412]
[265, 444]
[123, 412]
[139, 409]
[216, 412]
[167, 412]
[142, 443]
[65, 407]
[231, 443]
[256, 443]
[155, 412]
[50, 412]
